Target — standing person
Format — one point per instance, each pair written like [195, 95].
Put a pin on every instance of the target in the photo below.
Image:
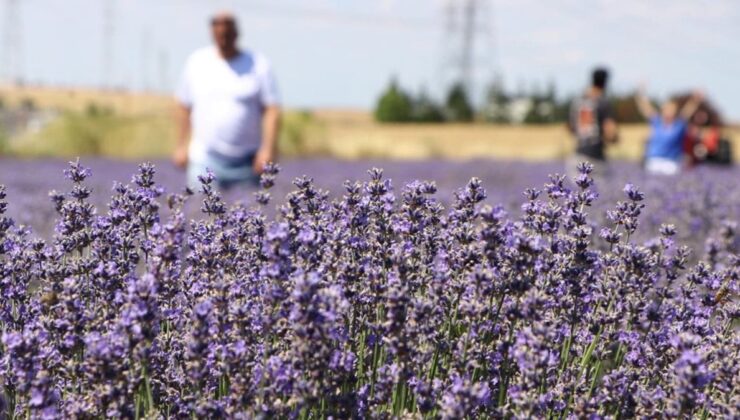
[228, 110]
[664, 153]
[702, 136]
[593, 125]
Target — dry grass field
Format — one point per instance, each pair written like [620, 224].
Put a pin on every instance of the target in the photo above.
[78, 99]
[353, 134]
[142, 127]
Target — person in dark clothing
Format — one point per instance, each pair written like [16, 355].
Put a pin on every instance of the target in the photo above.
[592, 124]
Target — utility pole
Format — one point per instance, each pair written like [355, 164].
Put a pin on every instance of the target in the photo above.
[466, 22]
[107, 79]
[12, 45]
[467, 47]
[163, 64]
[145, 52]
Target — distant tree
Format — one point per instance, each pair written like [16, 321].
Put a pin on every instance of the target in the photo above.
[496, 108]
[458, 107]
[551, 94]
[95, 110]
[394, 105]
[544, 105]
[425, 109]
[28, 104]
[562, 110]
[521, 89]
[625, 109]
[541, 112]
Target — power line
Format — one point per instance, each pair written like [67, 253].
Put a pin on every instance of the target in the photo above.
[12, 45]
[468, 44]
[108, 43]
[466, 22]
[163, 64]
[145, 57]
[268, 9]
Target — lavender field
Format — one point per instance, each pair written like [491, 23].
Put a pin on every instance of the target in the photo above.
[432, 289]
[697, 202]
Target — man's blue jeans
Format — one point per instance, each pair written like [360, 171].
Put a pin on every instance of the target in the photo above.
[229, 171]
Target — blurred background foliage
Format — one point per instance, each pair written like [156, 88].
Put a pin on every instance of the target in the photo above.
[394, 105]
[76, 134]
[44, 122]
[501, 106]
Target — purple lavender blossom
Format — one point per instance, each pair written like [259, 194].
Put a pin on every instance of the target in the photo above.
[384, 301]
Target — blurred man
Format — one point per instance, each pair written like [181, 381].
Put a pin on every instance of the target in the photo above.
[228, 110]
[593, 125]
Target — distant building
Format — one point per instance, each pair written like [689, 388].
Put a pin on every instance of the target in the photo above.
[519, 109]
[19, 120]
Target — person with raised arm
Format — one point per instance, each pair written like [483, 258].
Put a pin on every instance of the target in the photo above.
[664, 152]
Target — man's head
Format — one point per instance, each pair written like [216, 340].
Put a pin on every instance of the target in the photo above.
[701, 118]
[669, 110]
[225, 32]
[599, 78]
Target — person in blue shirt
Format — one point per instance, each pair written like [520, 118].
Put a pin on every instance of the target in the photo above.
[664, 152]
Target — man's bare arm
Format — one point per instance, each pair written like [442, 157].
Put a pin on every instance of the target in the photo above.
[690, 107]
[644, 106]
[270, 131]
[180, 156]
[610, 130]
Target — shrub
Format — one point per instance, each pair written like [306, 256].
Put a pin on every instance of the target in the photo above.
[425, 110]
[394, 105]
[458, 107]
[373, 305]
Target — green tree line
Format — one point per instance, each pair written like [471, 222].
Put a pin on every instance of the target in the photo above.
[397, 105]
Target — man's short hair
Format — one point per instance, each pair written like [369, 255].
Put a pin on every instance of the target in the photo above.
[223, 17]
[599, 77]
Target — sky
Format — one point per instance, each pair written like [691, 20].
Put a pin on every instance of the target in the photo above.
[342, 53]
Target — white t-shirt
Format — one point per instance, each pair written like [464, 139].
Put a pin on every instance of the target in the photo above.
[226, 98]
